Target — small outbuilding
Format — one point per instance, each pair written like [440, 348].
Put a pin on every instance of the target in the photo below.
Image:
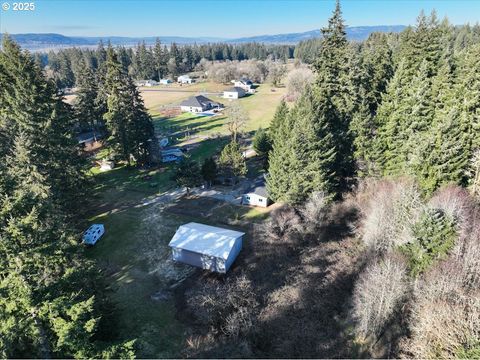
[207, 247]
[234, 93]
[165, 81]
[185, 79]
[257, 194]
[150, 83]
[93, 234]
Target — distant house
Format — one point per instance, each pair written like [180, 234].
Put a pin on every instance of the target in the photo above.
[151, 83]
[234, 93]
[89, 137]
[245, 84]
[199, 103]
[171, 155]
[93, 234]
[257, 194]
[165, 81]
[207, 247]
[185, 79]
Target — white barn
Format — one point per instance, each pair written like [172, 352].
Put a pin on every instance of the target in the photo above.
[234, 93]
[93, 234]
[207, 247]
[257, 194]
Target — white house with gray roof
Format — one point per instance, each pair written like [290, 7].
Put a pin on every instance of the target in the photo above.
[197, 104]
[234, 93]
[257, 194]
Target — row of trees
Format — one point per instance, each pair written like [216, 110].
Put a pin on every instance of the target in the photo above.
[381, 108]
[231, 165]
[51, 297]
[154, 62]
[109, 102]
[461, 37]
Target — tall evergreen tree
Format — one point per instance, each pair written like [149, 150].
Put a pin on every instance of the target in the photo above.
[130, 126]
[48, 306]
[333, 82]
[86, 109]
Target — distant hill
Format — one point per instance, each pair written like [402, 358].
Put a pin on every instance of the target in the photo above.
[45, 41]
[356, 33]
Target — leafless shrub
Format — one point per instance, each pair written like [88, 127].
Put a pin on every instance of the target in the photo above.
[379, 291]
[228, 308]
[282, 226]
[391, 210]
[315, 211]
[445, 315]
[457, 203]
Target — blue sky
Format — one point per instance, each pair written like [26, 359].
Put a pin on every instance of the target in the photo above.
[218, 18]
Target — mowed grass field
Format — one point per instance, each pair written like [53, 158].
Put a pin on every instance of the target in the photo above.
[156, 97]
[259, 107]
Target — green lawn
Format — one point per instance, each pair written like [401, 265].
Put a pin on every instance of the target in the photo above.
[183, 126]
[260, 108]
[121, 253]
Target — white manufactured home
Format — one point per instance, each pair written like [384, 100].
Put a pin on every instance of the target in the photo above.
[257, 194]
[207, 247]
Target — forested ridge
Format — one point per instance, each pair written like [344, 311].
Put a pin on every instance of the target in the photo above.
[155, 62]
[373, 252]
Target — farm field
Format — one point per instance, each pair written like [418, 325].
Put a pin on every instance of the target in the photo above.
[260, 108]
[156, 97]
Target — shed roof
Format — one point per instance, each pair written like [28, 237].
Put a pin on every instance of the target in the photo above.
[196, 101]
[205, 239]
[258, 188]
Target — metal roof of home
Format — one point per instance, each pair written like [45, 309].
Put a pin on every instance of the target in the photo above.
[246, 81]
[205, 239]
[196, 101]
[258, 188]
[235, 89]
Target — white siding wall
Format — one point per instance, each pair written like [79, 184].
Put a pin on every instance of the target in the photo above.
[255, 200]
[190, 109]
[230, 95]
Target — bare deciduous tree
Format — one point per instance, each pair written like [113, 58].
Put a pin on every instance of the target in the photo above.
[237, 118]
[379, 291]
[393, 207]
[297, 80]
